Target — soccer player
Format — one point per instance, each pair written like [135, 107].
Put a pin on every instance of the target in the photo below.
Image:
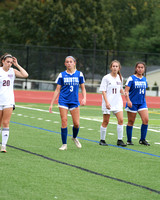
[135, 91]
[112, 88]
[67, 88]
[7, 102]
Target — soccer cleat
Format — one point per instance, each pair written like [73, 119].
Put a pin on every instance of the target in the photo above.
[77, 143]
[3, 149]
[121, 143]
[144, 142]
[103, 143]
[63, 147]
[130, 143]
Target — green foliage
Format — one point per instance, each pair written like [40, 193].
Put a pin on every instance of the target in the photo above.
[115, 25]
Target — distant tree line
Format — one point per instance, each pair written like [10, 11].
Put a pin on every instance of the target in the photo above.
[123, 25]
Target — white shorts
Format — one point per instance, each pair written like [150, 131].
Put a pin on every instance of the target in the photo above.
[108, 112]
[2, 107]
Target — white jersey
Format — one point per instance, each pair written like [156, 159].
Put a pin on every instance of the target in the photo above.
[6, 86]
[112, 87]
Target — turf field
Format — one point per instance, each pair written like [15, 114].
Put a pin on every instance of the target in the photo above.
[34, 168]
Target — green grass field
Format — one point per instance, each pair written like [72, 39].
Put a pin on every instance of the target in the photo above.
[34, 168]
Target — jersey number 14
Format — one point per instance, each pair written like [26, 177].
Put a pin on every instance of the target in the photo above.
[141, 91]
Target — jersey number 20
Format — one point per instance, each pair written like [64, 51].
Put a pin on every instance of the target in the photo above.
[6, 82]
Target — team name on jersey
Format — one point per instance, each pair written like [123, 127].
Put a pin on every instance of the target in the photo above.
[10, 75]
[118, 83]
[71, 81]
[140, 84]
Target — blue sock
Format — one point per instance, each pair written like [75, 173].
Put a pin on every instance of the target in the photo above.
[144, 128]
[75, 132]
[129, 133]
[64, 132]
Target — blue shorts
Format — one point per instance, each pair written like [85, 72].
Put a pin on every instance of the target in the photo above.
[136, 107]
[68, 106]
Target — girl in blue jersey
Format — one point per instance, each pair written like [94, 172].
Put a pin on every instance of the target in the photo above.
[67, 88]
[135, 92]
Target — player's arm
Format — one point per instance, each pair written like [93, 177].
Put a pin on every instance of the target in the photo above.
[122, 92]
[127, 88]
[21, 73]
[108, 106]
[55, 95]
[83, 102]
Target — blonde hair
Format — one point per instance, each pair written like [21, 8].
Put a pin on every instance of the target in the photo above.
[119, 64]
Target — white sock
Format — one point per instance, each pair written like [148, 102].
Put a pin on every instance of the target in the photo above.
[120, 131]
[103, 133]
[5, 136]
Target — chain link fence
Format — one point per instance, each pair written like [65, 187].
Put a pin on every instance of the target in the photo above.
[45, 63]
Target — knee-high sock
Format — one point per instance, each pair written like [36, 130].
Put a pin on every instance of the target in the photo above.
[103, 133]
[75, 132]
[5, 136]
[120, 131]
[144, 129]
[129, 133]
[64, 132]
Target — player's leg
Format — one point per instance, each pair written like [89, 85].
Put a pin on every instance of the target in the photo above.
[1, 112]
[75, 113]
[144, 127]
[119, 116]
[129, 128]
[103, 129]
[6, 116]
[64, 130]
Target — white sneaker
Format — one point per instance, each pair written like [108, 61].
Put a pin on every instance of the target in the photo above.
[77, 143]
[63, 147]
[3, 149]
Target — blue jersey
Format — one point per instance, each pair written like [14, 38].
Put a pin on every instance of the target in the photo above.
[69, 86]
[137, 89]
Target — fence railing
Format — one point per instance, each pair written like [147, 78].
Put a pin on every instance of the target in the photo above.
[45, 63]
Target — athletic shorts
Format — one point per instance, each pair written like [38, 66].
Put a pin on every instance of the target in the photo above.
[2, 107]
[136, 107]
[68, 106]
[108, 112]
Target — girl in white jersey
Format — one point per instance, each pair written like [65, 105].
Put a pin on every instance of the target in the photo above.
[67, 88]
[112, 88]
[7, 76]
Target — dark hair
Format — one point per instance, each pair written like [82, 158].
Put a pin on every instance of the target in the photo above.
[140, 62]
[119, 73]
[3, 57]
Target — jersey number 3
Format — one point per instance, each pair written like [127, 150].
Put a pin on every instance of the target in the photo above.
[71, 88]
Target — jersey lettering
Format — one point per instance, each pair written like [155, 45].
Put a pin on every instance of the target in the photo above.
[6, 82]
[71, 88]
[114, 90]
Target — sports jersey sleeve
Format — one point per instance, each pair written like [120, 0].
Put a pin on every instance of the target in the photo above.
[81, 78]
[103, 86]
[59, 79]
[129, 82]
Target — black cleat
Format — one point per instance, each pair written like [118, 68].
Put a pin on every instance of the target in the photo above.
[130, 143]
[103, 143]
[121, 143]
[144, 142]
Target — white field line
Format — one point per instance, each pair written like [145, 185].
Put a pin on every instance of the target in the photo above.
[89, 119]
